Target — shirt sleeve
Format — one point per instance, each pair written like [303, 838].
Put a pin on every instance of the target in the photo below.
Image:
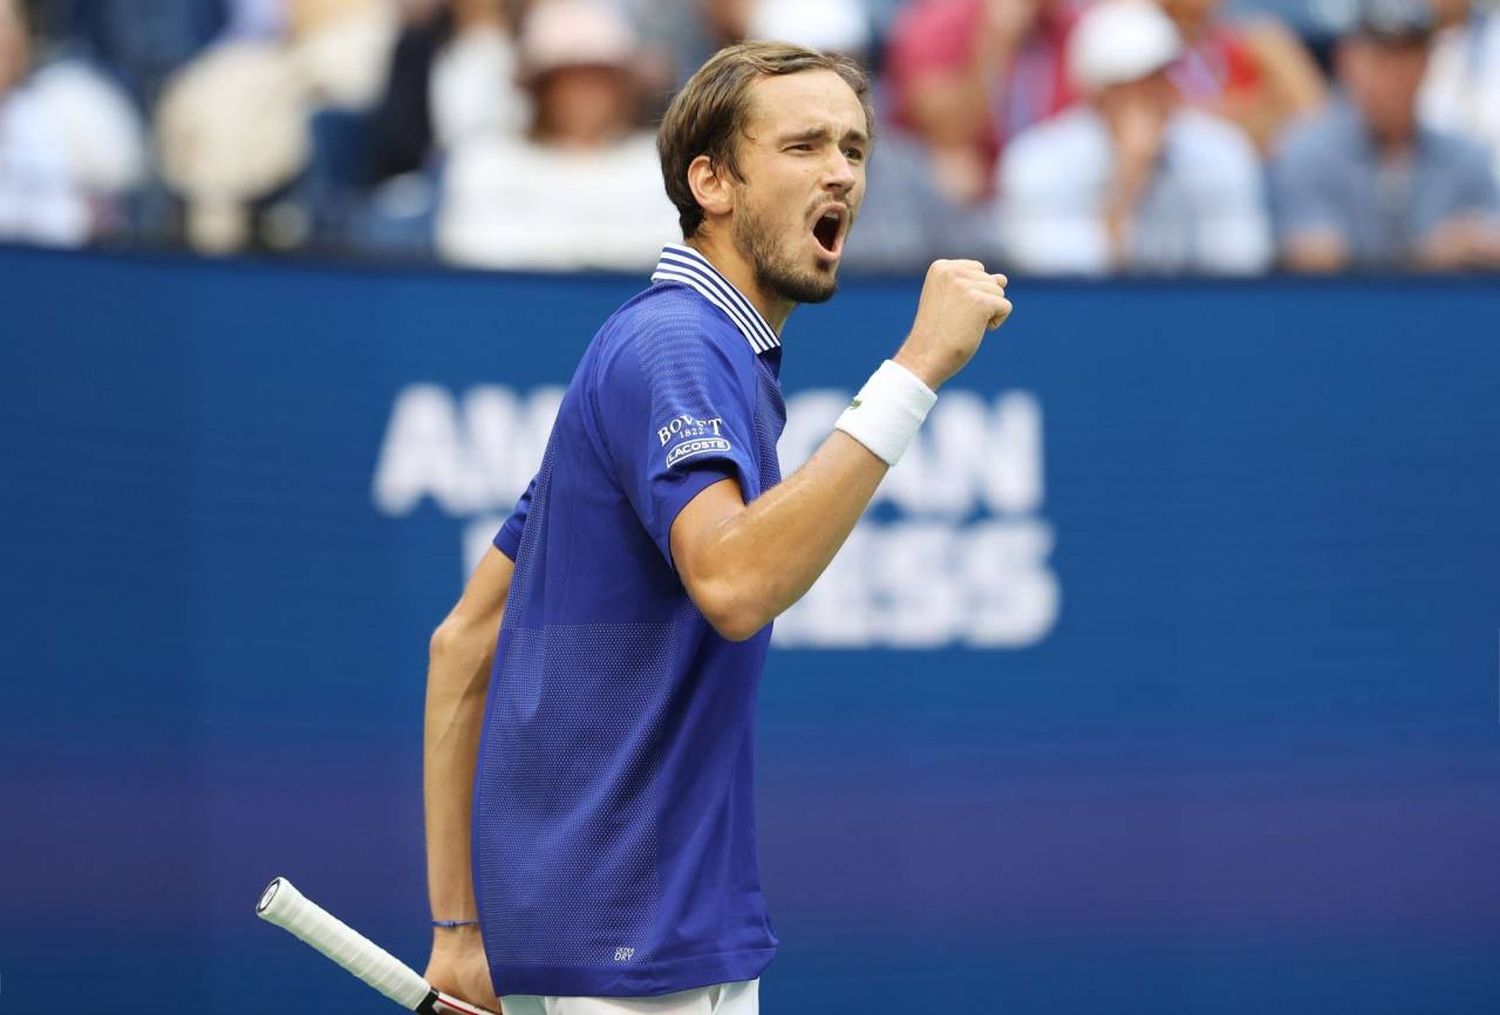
[508, 539]
[1303, 192]
[675, 417]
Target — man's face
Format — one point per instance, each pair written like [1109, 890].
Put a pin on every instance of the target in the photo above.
[802, 160]
[584, 107]
[1153, 96]
[1383, 78]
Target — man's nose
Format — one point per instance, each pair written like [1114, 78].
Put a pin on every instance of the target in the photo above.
[841, 176]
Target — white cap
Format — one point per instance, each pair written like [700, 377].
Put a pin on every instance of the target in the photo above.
[833, 26]
[575, 33]
[1116, 41]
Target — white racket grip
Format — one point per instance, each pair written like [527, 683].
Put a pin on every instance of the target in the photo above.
[289, 909]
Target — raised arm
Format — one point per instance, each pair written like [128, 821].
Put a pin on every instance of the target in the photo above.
[458, 675]
[743, 564]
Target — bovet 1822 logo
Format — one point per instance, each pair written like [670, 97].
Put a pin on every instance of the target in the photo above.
[691, 436]
[685, 426]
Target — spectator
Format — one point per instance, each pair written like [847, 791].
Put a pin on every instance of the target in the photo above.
[103, 137]
[1132, 179]
[233, 125]
[232, 131]
[39, 200]
[452, 75]
[584, 189]
[1256, 74]
[1461, 92]
[102, 134]
[966, 75]
[1366, 185]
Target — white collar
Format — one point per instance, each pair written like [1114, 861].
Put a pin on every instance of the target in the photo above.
[685, 265]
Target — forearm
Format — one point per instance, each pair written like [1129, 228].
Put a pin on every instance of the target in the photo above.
[457, 679]
[458, 676]
[743, 564]
[768, 555]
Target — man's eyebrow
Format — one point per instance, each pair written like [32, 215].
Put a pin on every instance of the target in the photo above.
[823, 133]
[808, 134]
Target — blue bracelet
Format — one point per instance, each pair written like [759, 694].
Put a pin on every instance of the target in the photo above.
[455, 923]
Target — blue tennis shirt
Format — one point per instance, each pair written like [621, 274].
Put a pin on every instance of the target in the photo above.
[614, 826]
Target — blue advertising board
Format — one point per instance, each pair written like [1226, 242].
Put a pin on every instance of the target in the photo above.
[1162, 676]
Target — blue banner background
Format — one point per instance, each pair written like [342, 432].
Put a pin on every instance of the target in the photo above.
[1255, 766]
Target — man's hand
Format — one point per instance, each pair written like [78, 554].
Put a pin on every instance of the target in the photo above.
[458, 967]
[1464, 242]
[960, 301]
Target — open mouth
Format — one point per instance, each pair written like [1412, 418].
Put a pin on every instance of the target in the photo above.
[828, 230]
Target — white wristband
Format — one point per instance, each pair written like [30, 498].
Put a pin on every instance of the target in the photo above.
[888, 411]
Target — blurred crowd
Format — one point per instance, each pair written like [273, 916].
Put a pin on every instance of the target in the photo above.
[1082, 137]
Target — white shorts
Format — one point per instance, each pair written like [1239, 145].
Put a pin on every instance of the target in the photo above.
[741, 998]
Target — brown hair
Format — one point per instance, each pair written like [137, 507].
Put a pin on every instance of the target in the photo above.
[708, 116]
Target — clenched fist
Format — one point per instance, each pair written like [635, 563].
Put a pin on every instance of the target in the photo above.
[960, 302]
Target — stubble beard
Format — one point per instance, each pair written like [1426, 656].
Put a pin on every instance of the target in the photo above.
[774, 271]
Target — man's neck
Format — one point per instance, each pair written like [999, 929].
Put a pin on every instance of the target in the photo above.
[733, 265]
[1396, 146]
[1391, 140]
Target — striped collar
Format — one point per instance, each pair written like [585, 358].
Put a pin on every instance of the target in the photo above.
[685, 265]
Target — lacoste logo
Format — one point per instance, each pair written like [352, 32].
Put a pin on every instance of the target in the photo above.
[702, 446]
[855, 404]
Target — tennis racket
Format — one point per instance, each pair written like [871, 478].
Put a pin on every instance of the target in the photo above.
[290, 910]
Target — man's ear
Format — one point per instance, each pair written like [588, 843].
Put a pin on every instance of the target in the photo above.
[712, 186]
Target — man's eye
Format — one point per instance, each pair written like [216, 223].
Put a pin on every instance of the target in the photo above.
[801, 148]
[854, 155]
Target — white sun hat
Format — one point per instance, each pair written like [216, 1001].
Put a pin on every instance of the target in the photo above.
[575, 33]
[1116, 41]
[833, 26]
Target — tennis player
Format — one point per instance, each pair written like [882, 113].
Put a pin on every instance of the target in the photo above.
[613, 865]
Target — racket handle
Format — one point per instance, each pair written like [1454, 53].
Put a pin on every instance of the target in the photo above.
[290, 910]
